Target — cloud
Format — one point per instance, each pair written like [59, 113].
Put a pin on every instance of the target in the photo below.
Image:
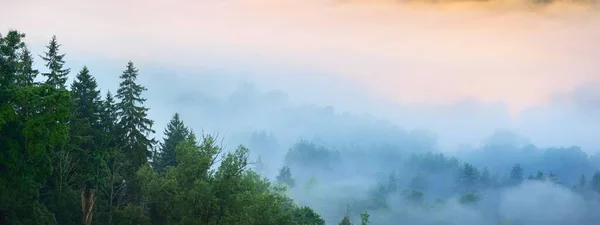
[415, 53]
[542, 203]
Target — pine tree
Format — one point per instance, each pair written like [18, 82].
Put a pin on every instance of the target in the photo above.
[9, 62]
[364, 218]
[109, 117]
[27, 74]
[134, 126]
[57, 76]
[345, 221]
[175, 133]
[469, 177]
[86, 97]
[33, 123]
[516, 174]
[85, 123]
[285, 177]
[540, 176]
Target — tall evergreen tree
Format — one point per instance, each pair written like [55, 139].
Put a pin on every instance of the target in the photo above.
[57, 76]
[33, 121]
[109, 117]
[175, 133]
[85, 122]
[86, 96]
[469, 177]
[516, 174]
[364, 218]
[285, 177]
[345, 221]
[27, 74]
[134, 125]
[11, 44]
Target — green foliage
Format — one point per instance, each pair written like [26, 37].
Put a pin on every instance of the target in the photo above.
[345, 221]
[57, 76]
[175, 133]
[285, 177]
[306, 216]
[364, 218]
[133, 126]
[85, 133]
[309, 155]
[433, 163]
[57, 144]
[469, 178]
[191, 193]
[33, 123]
[108, 121]
[26, 74]
[516, 174]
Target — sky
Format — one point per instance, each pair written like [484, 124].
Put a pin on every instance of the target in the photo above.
[504, 52]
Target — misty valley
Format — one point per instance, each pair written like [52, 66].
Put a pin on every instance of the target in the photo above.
[78, 153]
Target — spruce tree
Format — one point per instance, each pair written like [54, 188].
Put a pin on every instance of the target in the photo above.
[469, 177]
[108, 114]
[285, 177]
[27, 74]
[516, 174]
[175, 133]
[57, 76]
[86, 97]
[33, 122]
[85, 122]
[364, 218]
[11, 44]
[345, 221]
[134, 125]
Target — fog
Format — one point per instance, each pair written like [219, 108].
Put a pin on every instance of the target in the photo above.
[373, 105]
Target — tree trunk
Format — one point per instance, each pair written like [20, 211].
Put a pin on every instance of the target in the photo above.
[87, 204]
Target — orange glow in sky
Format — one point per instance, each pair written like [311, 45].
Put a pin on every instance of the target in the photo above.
[423, 53]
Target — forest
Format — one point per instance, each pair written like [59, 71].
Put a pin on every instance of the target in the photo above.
[78, 155]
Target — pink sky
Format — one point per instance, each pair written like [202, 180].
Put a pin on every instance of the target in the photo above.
[409, 53]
